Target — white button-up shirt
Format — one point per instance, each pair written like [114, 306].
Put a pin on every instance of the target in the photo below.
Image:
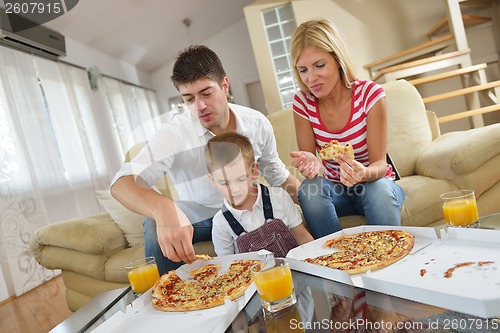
[178, 148]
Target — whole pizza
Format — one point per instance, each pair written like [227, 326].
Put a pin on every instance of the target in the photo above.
[365, 251]
[207, 288]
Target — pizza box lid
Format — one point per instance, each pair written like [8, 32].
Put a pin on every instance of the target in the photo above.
[423, 238]
[460, 271]
[141, 316]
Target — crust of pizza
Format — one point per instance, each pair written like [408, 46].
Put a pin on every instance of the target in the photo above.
[333, 149]
[365, 251]
[171, 293]
[203, 257]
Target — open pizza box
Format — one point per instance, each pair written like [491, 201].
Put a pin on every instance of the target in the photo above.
[472, 288]
[423, 237]
[460, 272]
[141, 316]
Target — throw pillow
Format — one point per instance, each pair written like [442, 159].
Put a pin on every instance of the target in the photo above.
[129, 222]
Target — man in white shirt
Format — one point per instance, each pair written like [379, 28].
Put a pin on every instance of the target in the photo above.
[170, 228]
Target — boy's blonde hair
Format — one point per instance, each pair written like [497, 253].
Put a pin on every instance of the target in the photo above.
[325, 36]
[224, 148]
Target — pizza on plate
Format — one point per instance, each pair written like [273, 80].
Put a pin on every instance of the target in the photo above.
[370, 250]
[209, 288]
[333, 149]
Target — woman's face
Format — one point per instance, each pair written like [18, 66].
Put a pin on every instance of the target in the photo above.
[318, 70]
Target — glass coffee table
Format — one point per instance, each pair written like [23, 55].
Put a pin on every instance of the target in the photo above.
[322, 306]
[328, 306]
[97, 311]
[491, 221]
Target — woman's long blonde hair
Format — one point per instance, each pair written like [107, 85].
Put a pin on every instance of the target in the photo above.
[325, 36]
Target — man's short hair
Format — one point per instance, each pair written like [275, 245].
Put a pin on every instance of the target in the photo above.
[224, 148]
[195, 63]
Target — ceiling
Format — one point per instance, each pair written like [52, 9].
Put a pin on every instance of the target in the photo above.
[146, 33]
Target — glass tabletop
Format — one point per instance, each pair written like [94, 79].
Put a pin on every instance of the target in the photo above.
[328, 306]
[491, 221]
[97, 311]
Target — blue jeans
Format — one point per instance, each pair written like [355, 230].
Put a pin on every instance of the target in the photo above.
[323, 202]
[201, 219]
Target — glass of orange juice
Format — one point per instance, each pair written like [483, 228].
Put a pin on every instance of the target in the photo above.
[460, 209]
[273, 280]
[142, 274]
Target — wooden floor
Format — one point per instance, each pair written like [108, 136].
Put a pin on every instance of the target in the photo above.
[37, 311]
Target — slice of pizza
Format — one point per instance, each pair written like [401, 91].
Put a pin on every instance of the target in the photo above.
[235, 282]
[333, 149]
[205, 274]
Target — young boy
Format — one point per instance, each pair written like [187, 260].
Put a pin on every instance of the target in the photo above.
[233, 170]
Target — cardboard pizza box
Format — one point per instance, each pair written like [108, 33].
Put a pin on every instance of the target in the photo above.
[141, 316]
[423, 237]
[460, 272]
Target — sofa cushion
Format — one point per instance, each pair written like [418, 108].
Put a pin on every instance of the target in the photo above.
[114, 270]
[457, 153]
[82, 288]
[422, 199]
[482, 179]
[286, 140]
[408, 131]
[94, 235]
[129, 222]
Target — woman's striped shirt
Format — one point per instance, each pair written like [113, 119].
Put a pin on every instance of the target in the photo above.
[364, 96]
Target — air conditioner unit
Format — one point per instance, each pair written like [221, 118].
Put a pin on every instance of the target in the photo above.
[38, 39]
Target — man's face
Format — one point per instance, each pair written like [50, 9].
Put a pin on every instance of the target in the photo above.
[208, 101]
[235, 182]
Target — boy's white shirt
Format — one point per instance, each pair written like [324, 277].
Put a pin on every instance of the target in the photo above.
[224, 238]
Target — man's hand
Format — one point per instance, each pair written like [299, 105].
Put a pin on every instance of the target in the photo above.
[174, 230]
[306, 162]
[175, 234]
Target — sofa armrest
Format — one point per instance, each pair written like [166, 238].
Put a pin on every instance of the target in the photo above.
[433, 124]
[94, 235]
[458, 153]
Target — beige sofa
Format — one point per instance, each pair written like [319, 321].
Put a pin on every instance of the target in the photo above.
[91, 252]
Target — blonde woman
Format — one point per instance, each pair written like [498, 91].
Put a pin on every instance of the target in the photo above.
[333, 104]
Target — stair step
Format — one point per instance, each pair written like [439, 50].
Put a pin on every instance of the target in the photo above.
[446, 75]
[424, 65]
[461, 92]
[469, 21]
[425, 49]
[470, 113]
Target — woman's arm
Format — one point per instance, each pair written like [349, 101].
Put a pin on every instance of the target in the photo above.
[353, 172]
[305, 159]
[376, 139]
[305, 134]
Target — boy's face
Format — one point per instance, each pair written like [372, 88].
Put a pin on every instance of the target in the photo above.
[235, 183]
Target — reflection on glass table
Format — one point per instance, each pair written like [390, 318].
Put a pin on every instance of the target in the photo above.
[328, 306]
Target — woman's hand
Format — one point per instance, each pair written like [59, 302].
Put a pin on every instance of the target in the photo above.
[306, 162]
[351, 171]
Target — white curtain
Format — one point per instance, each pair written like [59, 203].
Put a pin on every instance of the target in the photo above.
[134, 111]
[51, 161]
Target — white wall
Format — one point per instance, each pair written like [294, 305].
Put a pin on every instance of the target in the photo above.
[82, 55]
[233, 47]
[5, 292]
